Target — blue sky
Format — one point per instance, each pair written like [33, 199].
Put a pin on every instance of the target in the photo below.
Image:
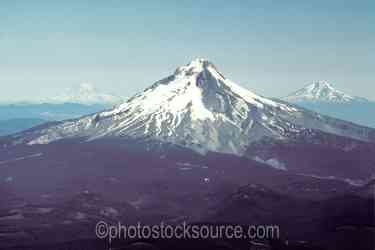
[270, 47]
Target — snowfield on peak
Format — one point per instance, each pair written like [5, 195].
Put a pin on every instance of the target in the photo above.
[197, 107]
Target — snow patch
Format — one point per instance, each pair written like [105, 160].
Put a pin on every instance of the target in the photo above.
[357, 183]
[21, 158]
[273, 162]
[109, 212]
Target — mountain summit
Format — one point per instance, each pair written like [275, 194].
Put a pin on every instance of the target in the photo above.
[321, 91]
[199, 108]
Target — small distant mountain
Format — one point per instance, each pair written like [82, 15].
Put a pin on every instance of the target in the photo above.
[47, 111]
[322, 91]
[73, 103]
[322, 97]
[86, 94]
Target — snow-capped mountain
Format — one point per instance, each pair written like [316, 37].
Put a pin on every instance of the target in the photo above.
[73, 103]
[199, 108]
[84, 93]
[322, 97]
[321, 91]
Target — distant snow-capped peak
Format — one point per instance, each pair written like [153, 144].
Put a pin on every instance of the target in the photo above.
[85, 93]
[199, 108]
[321, 91]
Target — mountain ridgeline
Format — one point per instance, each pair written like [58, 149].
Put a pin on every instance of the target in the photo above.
[198, 108]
